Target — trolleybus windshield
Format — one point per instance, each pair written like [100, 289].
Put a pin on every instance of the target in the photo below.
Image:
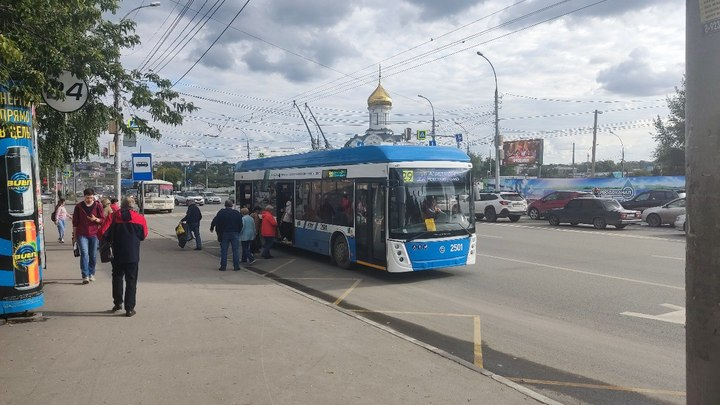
[430, 201]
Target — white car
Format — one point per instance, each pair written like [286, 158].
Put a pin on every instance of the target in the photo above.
[503, 204]
[210, 197]
[184, 198]
[681, 223]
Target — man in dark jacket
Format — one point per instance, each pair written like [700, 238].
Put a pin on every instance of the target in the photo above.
[192, 218]
[127, 230]
[228, 224]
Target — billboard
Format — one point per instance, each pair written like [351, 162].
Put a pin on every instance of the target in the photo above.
[21, 226]
[523, 152]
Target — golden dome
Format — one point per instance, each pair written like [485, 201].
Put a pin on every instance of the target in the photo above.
[379, 97]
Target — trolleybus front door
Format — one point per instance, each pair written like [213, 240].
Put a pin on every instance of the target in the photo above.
[370, 223]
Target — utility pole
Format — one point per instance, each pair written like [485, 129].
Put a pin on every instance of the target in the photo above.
[573, 161]
[592, 173]
[702, 131]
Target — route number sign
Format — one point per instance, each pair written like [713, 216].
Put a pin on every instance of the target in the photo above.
[75, 91]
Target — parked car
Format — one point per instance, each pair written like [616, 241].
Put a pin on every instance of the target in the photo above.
[681, 223]
[664, 214]
[210, 198]
[649, 199]
[600, 212]
[183, 198]
[556, 199]
[500, 204]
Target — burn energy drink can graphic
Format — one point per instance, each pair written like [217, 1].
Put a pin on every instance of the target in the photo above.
[25, 255]
[18, 169]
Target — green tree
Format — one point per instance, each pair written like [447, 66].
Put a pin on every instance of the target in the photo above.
[670, 136]
[41, 39]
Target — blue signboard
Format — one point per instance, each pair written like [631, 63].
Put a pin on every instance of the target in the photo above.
[142, 167]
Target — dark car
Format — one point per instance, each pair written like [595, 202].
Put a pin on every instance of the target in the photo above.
[557, 199]
[652, 198]
[599, 212]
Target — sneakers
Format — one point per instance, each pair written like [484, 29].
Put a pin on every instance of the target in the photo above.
[130, 313]
[221, 269]
[86, 280]
[251, 261]
[62, 240]
[197, 249]
[92, 277]
[116, 307]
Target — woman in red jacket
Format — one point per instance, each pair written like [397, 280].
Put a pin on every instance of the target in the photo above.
[268, 231]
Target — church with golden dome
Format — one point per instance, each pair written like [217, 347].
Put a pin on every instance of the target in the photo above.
[379, 106]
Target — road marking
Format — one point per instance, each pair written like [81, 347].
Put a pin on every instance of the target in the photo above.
[477, 346]
[489, 236]
[280, 267]
[597, 386]
[477, 335]
[588, 231]
[668, 257]
[677, 316]
[347, 292]
[588, 273]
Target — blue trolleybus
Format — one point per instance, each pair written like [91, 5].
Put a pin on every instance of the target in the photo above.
[394, 208]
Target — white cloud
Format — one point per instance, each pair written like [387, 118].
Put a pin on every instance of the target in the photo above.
[615, 57]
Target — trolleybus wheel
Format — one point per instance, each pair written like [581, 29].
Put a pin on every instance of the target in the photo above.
[341, 252]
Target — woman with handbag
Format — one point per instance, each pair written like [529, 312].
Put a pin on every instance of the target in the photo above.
[127, 230]
[86, 220]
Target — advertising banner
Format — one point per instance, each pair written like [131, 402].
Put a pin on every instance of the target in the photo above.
[20, 209]
[523, 152]
[621, 189]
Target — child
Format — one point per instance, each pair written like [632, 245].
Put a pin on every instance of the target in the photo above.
[60, 216]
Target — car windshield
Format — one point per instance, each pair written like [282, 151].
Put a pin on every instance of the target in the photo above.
[210, 194]
[430, 200]
[612, 205]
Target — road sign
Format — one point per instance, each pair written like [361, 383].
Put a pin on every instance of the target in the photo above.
[458, 138]
[432, 143]
[75, 91]
[142, 166]
[421, 134]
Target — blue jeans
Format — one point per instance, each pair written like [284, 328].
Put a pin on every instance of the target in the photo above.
[247, 255]
[88, 251]
[268, 241]
[232, 238]
[61, 229]
[193, 230]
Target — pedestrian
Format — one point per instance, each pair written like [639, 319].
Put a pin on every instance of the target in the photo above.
[257, 218]
[86, 219]
[109, 207]
[192, 218]
[247, 236]
[128, 228]
[286, 225]
[228, 224]
[268, 230]
[60, 217]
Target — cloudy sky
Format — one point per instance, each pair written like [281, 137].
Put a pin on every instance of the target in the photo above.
[556, 63]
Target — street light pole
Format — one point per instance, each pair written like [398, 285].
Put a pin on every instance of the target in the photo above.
[247, 143]
[116, 106]
[622, 156]
[592, 173]
[498, 141]
[432, 131]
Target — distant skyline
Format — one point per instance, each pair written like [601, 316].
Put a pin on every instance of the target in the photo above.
[556, 62]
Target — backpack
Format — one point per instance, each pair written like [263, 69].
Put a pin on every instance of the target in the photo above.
[53, 216]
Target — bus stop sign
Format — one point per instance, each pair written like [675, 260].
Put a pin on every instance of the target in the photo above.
[142, 166]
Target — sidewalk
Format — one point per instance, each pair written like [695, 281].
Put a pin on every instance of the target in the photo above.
[201, 336]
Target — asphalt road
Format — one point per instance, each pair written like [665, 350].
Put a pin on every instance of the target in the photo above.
[578, 314]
